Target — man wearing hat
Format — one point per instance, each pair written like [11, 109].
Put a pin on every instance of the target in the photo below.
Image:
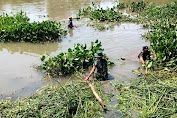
[70, 23]
[144, 54]
[101, 65]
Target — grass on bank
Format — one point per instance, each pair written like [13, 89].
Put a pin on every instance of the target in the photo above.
[152, 96]
[71, 100]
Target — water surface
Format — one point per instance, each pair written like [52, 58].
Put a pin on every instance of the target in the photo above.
[18, 76]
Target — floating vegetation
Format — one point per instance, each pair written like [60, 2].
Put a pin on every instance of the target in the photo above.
[137, 6]
[77, 59]
[151, 95]
[94, 13]
[161, 21]
[103, 15]
[121, 6]
[71, 100]
[162, 35]
[17, 28]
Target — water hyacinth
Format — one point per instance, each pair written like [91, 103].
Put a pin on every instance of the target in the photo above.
[77, 59]
[98, 14]
[162, 35]
[17, 28]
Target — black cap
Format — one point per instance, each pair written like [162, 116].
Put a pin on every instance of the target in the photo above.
[145, 47]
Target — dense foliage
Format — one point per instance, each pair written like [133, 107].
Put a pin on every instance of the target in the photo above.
[163, 24]
[161, 21]
[76, 59]
[151, 95]
[17, 28]
[72, 100]
[103, 15]
[100, 14]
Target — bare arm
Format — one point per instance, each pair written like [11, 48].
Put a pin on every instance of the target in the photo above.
[93, 69]
[141, 59]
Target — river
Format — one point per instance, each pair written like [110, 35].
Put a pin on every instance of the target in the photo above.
[18, 76]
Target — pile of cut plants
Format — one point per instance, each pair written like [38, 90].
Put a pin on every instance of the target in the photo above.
[17, 28]
[74, 99]
[77, 59]
[154, 93]
[152, 96]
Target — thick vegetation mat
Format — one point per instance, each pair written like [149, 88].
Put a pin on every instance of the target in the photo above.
[17, 28]
[162, 35]
[152, 96]
[75, 60]
[161, 21]
[72, 100]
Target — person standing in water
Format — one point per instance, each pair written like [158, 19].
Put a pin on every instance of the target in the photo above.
[101, 65]
[144, 55]
[70, 23]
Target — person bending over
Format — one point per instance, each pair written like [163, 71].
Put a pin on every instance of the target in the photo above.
[101, 65]
[144, 55]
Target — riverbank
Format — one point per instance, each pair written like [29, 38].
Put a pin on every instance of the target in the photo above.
[153, 94]
[75, 99]
[147, 94]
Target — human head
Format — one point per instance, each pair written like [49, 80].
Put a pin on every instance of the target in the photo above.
[99, 54]
[145, 49]
[70, 18]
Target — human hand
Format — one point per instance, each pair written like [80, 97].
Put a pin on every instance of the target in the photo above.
[87, 78]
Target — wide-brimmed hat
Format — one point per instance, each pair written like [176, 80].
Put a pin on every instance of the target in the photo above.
[99, 53]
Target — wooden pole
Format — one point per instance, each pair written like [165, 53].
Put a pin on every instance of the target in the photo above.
[96, 95]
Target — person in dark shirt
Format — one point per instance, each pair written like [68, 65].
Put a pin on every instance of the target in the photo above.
[101, 65]
[70, 23]
[144, 54]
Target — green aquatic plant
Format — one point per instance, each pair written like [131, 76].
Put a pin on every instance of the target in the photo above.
[109, 14]
[77, 59]
[161, 21]
[137, 6]
[164, 43]
[151, 95]
[17, 28]
[98, 14]
[74, 99]
[121, 6]
[162, 34]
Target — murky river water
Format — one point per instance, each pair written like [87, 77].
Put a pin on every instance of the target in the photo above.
[18, 78]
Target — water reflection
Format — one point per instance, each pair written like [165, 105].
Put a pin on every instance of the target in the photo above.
[63, 9]
[35, 9]
[27, 48]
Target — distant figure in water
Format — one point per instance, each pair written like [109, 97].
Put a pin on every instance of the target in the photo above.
[144, 55]
[70, 23]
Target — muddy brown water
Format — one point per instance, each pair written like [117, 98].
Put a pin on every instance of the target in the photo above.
[18, 77]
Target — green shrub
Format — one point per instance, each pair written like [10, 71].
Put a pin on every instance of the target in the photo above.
[77, 59]
[17, 29]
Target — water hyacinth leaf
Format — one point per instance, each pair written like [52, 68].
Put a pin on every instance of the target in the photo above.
[74, 60]
[149, 65]
[42, 58]
[24, 31]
